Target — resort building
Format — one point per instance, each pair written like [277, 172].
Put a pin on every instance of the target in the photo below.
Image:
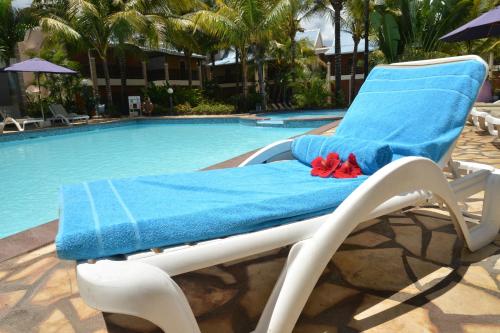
[226, 68]
[151, 65]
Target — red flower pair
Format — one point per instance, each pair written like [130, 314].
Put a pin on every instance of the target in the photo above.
[333, 167]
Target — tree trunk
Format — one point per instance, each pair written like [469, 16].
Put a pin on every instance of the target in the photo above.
[337, 7]
[19, 82]
[293, 56]
[109, 96]
[238, 70]
[123, 81]
[353, 68]
[187, 55]
[367, 32]
[94, 79]
[260, 77]
[244, 70]
[293, 52]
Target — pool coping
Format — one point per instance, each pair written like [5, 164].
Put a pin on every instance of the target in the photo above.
[244, 119]
[44, 234]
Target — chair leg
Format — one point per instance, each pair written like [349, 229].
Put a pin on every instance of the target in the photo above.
[137, 289]
[487, 230]
[482, 123]
[491, 128]
[265, 317]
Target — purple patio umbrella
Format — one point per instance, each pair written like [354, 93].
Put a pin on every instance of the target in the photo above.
[37, 66]
[486, 25]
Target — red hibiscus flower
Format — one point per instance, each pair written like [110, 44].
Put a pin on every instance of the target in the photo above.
[348, 169]
[325, 168]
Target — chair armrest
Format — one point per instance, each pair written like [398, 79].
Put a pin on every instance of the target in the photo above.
[279, 150]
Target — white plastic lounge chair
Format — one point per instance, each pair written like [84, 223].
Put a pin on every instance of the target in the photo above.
[140, 283]
[481, 111]
[20, 123]
[59, 113]
[493, 123]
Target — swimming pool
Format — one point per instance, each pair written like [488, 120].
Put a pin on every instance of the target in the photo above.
[33, 170]
[299, 114]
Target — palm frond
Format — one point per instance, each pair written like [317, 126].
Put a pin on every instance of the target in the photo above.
[58, 26]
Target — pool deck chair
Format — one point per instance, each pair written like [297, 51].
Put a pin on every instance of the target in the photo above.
[59, 113]
[493, 123]
[20, 123]
[481, 111]
[402, 127]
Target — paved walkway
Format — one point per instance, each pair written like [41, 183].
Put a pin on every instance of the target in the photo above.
[405, 272]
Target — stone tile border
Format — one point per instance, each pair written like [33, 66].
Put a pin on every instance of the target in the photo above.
[27, 240]
[34, 238]
[249, 120]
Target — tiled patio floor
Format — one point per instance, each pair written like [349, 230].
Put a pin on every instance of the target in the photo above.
[407, 273]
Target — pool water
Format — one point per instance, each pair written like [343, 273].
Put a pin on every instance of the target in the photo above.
[33, 170]
[304, 114]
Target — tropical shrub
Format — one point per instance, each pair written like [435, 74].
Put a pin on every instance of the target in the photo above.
[182, 109]
[193, 96]
[311, 93]
[212, 109]
[159, 95]
[205, 108]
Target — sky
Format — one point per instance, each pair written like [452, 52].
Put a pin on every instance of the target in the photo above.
[21, 3]
[321, 22]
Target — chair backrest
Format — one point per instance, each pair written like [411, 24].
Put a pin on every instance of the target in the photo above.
[58, 110]
[8, 111]
[417, 108]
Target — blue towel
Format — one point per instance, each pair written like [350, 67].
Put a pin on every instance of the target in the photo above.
[416, 111]
[108, 217]
[370, 155]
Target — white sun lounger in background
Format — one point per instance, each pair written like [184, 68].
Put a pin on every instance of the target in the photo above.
[493, 123]
[140, 283]
[481, 111]
[8, 118]
[59, 113]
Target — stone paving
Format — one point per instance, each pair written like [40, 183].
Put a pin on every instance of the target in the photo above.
[405, 272]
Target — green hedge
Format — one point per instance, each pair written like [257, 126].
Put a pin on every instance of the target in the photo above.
[204, 109]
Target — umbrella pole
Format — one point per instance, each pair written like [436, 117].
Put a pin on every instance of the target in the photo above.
[39, 94]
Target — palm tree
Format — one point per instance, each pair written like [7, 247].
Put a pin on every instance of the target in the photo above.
[87, 22]
[13, 25]
[186, 40]
[246, 24]
[412, 29]
[337, 8]
[297, 10]
[366, 11]
[355, 23]
[332, 9]
[141, 22]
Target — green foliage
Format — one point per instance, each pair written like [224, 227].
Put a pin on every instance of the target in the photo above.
[387, 28]
[34, 105]
[205, 108]
[13, 25]
[62, 88]
[212, 109]
[181, 109]
[311, 93]
[181, 95]
[193, 96]
[410, 30]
